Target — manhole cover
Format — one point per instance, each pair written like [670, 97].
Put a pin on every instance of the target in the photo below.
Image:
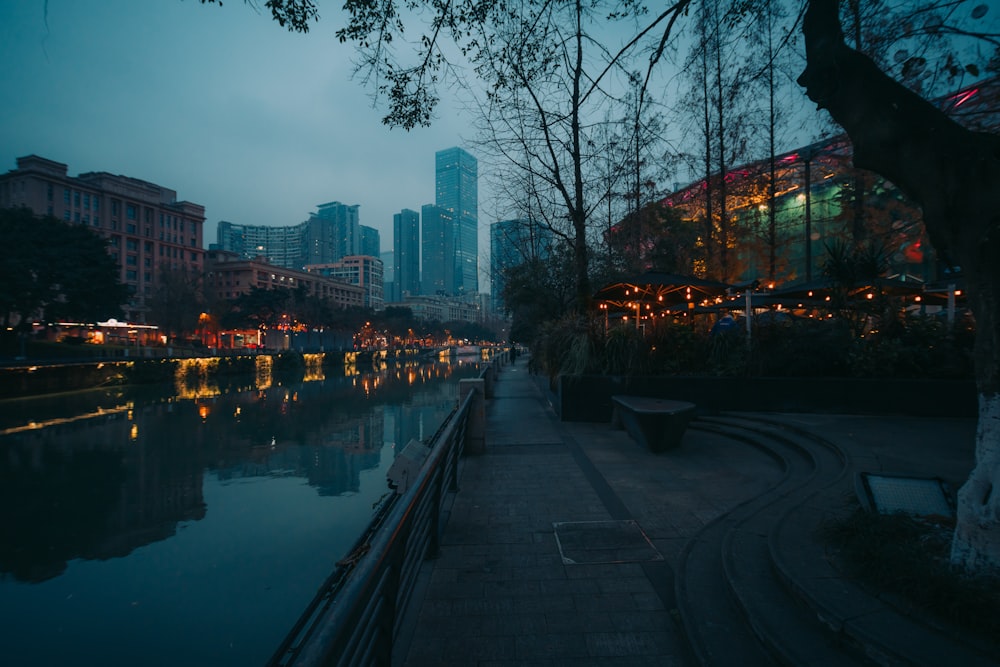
[589, 542]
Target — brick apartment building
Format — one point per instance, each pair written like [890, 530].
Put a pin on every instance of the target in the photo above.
[149, 231]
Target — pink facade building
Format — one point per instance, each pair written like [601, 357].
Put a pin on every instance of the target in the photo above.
[149, 232]
[228, 275]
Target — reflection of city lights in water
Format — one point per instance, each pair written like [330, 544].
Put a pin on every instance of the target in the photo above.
[133, 433]
[34, 425]
[264, 366]
[203, 411]
[237, 412]
[314, 367]
[191, 377]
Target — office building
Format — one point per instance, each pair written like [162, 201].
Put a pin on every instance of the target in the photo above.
[512, 243]
[359, 270]
[406, 253]
[371, 243]
[334, 232]
[389, 276]
[456, 178]
[437, 251]
[149, 231]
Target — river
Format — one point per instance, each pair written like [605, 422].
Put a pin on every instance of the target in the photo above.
[192, 525]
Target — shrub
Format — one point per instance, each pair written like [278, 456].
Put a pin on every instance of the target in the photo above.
[913, 347]
[908, 557]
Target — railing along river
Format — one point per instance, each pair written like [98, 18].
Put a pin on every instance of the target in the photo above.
[355, 617]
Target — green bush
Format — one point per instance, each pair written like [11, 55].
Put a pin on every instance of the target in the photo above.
[912, 347]
[909, 557]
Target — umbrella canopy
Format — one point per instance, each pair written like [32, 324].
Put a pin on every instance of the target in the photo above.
[666, 289]
[820, 289]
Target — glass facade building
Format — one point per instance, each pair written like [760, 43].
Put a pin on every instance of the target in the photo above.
[406, 254]
[512, 243]
[438, 250]
[456, 178]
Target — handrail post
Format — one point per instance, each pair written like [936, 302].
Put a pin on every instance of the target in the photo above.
[475, 430]
[489, 377]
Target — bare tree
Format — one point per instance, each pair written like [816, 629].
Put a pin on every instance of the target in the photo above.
[554, 116]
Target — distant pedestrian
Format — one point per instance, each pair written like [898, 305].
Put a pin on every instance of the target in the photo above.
[723, 324]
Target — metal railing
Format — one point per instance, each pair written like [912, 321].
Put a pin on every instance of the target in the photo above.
[355, 617]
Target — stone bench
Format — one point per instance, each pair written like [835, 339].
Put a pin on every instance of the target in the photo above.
[656, 423]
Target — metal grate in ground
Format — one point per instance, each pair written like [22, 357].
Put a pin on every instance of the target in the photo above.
[590, 542]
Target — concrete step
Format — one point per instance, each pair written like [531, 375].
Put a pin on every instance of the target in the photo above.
[714, 616]
[856, 621]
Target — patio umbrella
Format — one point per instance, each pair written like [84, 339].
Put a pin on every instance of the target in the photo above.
[824, 288]
[653, 291]
[668, 289]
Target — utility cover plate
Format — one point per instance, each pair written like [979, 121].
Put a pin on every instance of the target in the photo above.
[918, 496]
[592, 542]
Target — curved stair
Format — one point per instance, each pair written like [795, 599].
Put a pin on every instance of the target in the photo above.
[755, 586]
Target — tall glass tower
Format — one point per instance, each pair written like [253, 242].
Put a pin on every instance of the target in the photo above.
[406, 253]
[438, 251]
[456, 177]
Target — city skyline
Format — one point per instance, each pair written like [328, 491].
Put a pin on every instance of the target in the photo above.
[257, 125]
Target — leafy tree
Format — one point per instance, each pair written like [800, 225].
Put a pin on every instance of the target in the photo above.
[260, 307]
[398, 321]
[58, 272]
[954, 174]
[178, 301]
[292, 14]
[537, 291]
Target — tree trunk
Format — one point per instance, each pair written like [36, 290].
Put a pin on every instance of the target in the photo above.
[954, 174]
[579, 209]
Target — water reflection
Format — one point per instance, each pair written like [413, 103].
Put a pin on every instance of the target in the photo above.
[96, 475]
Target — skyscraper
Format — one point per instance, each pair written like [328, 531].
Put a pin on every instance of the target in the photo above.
[389, 276]
[371, 243]
[512, 243]
[438, 245]
[334, 232]
[456, 177]
[406, 253]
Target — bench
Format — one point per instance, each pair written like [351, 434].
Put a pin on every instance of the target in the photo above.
[656, 423]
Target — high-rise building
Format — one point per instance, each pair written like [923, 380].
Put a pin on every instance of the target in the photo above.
[361, 270]
[334, 232]
[438, 251]
[456, 178]
[371, 243]
[406, 253]
[149, 232]
[512, 243]
[389, 276]
[282, 246]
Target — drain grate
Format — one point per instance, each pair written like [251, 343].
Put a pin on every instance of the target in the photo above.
[592, 542]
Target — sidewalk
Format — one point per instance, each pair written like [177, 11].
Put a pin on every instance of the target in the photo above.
[568, 544]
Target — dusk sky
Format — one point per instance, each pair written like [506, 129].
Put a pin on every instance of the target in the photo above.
[221, 104]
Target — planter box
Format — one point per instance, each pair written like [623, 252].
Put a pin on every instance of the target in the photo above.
[587, 398]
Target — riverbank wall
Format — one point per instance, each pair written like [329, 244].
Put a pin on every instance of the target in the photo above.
[37, 379]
